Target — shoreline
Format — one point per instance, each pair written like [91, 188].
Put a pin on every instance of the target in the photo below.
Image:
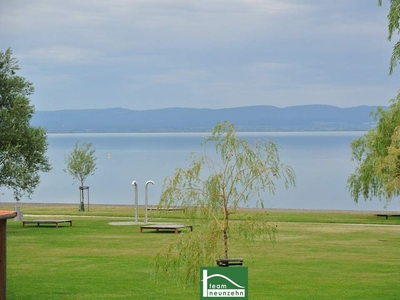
[300, 210]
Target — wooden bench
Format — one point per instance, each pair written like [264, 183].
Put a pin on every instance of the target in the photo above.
[174, 227]
[226, 262]
[165, 209]
[38, 222]
[386, 215]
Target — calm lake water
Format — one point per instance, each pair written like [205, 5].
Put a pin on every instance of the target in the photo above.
[321, 160]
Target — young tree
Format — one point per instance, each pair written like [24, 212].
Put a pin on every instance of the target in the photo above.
[81, 163]
[211, 190]
[22, 147]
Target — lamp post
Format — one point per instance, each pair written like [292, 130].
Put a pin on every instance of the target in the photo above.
[134, 183]
[146, 198]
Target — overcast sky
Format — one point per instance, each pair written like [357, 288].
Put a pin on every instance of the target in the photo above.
[149, 54]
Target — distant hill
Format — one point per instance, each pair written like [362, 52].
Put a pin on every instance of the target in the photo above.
[249, 118]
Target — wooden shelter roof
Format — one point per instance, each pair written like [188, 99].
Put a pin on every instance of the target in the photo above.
[7, 214]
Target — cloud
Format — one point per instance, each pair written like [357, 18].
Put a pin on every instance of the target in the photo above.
[174, 77]
[135, 21]
[209, 53]
[63, 55]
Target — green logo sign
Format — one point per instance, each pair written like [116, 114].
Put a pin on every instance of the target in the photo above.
[224, 283]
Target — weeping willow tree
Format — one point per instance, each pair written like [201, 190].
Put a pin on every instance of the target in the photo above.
[211, 190]
[377, 154]
[393, 29]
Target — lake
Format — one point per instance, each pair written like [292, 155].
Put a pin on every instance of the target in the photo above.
[321, 160]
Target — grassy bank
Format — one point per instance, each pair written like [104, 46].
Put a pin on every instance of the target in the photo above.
[318, 255]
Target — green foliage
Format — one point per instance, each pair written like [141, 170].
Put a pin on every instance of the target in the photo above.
[183, 257]
[377, 152]
[393, 28]
[81, 163]
[212, 189]
[22, 147]
[377, 155]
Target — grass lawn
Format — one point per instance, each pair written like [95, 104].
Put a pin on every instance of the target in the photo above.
[318, 255]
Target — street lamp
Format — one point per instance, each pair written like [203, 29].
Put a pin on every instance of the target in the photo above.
[146, 198]
[134, 183]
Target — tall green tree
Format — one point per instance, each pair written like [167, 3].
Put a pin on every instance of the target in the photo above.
[22, 146]
[211, 190]
[377, 153]
[81, 163]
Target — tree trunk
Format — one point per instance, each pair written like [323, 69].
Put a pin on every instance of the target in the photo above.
[225, 243]
[82, 200]
[226, 225]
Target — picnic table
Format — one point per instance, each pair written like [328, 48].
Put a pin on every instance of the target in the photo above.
[174, 227]
[38, 222]
[386, 215]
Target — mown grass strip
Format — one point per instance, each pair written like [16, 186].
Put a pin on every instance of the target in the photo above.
[311, 259]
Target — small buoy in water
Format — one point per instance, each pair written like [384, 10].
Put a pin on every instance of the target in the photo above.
[109, 155]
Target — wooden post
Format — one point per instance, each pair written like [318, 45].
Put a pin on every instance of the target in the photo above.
[4, 215]
[87, 198]
[82, 197]
[3, 249]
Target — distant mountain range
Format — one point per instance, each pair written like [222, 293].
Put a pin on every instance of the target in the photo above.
[248, 118]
